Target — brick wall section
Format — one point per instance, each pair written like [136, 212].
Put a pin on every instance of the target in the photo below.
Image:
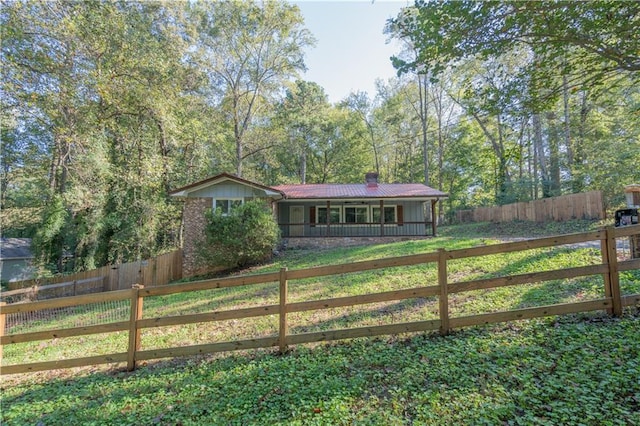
[194, 222]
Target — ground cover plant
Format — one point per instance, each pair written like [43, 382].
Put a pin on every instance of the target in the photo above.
[571, 370]
[371, 381]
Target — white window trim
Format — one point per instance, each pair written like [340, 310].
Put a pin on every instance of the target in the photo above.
[318, 223]
[215, 202]
[395, 214]
[344, 214]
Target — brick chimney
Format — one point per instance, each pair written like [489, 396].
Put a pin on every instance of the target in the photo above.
[372, 179]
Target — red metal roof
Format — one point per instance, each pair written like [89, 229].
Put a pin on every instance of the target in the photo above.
[382, 190]
[324, 191]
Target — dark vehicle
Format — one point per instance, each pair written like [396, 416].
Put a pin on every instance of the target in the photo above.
[625, 217]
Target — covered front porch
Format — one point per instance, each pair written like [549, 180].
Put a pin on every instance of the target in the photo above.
[357, 218]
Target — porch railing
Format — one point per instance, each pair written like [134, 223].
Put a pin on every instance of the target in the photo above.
[394, 229]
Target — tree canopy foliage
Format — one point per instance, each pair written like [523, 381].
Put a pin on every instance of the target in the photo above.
[107, 106]
[602, 36]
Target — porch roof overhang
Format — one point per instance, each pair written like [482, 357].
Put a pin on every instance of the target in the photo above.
[223, 177]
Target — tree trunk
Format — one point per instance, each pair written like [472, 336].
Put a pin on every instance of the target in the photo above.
[554, 156]
[424, 110]
[538, 143]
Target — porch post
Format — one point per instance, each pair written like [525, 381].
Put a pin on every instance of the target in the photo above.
[433, 217]
[382, 218]
[328, 218]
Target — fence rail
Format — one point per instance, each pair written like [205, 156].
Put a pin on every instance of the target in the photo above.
[70, 288]
[610, 268]
[587, 205]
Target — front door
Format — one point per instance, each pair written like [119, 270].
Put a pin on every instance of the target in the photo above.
[296, 221]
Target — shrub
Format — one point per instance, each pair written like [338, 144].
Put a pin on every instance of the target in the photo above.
[247, 235]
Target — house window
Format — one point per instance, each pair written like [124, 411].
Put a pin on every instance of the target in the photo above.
[356, 214]
[321, 216]
[226, 205]
[389, 214]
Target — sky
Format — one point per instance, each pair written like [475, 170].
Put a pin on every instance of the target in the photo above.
[351, 50]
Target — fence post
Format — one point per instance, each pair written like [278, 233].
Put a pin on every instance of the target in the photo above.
[3, 323]
[613, 279]
[444, 293]
[282, 334]
[134, 331]
[604, 250]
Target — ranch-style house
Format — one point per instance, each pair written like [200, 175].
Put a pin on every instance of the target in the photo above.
[312, 212]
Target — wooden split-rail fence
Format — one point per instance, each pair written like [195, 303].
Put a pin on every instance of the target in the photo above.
[610, 268]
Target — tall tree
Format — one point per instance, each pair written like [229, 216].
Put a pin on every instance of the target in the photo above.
[249, 50]
[102, 82]
[301, 114]
[339, 153]
[361, 104]
[45, 78]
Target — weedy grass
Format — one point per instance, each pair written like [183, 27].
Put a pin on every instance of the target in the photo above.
[580, 369]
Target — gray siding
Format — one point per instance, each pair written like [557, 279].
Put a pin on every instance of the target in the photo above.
[227, 190]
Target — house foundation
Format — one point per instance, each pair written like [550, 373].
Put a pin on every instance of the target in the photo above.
[332, 242]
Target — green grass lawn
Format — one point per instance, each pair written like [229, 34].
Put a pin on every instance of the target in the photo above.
[579, 369]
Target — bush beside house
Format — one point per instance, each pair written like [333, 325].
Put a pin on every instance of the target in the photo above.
[246, 235]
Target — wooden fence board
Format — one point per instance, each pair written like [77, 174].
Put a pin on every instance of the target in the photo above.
[353, 333]
[209, 316]
[72, 288]
[532, 277]
[366, 265]
[528, 313]
[67, 332]
[211, 284]
[363, 299]
[526, 245]
[587, 205]
[264, 342]
[67, 363]
[631, 300]
[64, 302]
[160, 270]
[629, 265]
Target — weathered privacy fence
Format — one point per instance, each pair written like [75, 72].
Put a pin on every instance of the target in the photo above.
[587, 205]
[159, 270]
[610, 268]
